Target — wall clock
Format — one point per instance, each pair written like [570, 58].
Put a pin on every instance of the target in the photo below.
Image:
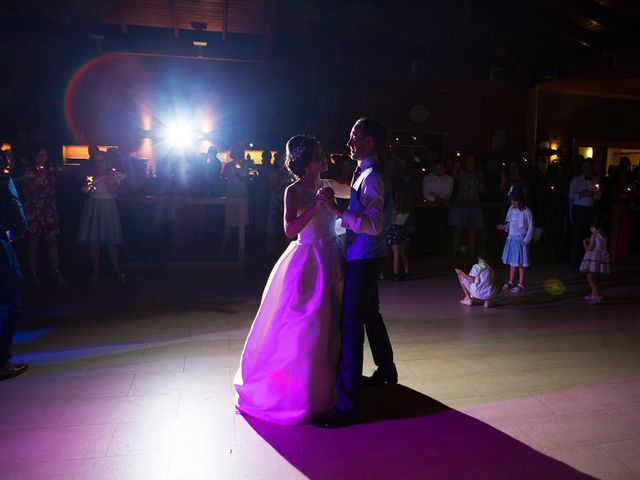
[419, 113]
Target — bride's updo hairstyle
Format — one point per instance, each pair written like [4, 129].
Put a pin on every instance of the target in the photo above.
[300, 153]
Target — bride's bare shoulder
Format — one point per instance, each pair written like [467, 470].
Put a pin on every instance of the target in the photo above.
[291, 191]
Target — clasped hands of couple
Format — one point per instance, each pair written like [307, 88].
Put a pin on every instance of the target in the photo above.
[326, 198]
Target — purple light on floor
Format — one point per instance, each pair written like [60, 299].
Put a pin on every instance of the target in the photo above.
[406, 434]
[99, 350]
[28, 336]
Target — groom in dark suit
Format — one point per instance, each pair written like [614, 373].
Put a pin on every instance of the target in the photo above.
[367, 220]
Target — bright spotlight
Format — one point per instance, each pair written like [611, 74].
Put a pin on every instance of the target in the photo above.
[180, 134]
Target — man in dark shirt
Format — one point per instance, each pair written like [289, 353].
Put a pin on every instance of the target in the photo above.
[12, 224]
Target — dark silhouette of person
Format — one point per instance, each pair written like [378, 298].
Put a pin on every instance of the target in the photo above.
[13, 224]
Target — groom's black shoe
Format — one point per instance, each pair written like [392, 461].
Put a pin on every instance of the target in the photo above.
[335, 419]
[380, 378]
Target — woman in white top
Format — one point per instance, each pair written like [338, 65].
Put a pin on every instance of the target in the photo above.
[519, 226]
[100, 222]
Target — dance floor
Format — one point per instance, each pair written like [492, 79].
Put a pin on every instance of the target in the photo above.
[134, 382]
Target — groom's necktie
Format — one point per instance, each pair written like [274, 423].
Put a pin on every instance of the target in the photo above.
[356, 174]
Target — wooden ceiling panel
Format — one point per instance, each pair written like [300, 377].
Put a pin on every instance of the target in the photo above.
[244, 16]
[537, 32]
[147, 13]
[199, 11]
[97, 11]
[250, 15]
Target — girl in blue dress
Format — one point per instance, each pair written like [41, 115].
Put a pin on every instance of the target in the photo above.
[519, 227]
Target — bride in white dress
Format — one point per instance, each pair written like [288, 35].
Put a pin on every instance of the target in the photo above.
[289, 363]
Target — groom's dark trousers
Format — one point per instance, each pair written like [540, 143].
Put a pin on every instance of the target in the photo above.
[361, 309]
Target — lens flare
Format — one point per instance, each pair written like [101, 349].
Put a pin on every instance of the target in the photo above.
[554, 286]
[94, 92]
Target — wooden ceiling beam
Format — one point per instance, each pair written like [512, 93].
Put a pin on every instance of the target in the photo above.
[269, 40]
[614, 24]
[122, 17]
[564, 28]
[225, 19]
[562, 17]
[172, 17]
[623, 11]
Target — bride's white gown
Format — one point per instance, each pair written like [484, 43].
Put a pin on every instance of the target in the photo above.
[288, 366]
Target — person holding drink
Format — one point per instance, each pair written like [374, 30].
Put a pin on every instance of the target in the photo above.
[100, 221]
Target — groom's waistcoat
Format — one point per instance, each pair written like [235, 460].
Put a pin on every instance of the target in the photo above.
[361, 246]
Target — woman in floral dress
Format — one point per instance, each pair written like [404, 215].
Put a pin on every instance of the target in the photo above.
[42, 216]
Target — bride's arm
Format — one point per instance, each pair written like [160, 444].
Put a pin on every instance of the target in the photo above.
[294, 223]
[340, 189]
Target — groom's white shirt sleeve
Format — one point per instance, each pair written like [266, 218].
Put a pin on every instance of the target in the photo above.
[372, 198]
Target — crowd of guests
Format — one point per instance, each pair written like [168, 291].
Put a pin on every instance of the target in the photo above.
[562, 201]
[569, 204]
[110, 173]
[101, 181]
[579, 217]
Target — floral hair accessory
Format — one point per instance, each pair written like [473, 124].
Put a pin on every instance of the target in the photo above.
[296, 153]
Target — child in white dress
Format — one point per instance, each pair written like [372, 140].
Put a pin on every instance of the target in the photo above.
[596, 260]
[478, 284]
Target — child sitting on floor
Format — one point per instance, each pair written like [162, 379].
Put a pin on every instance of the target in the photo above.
[478, 284]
